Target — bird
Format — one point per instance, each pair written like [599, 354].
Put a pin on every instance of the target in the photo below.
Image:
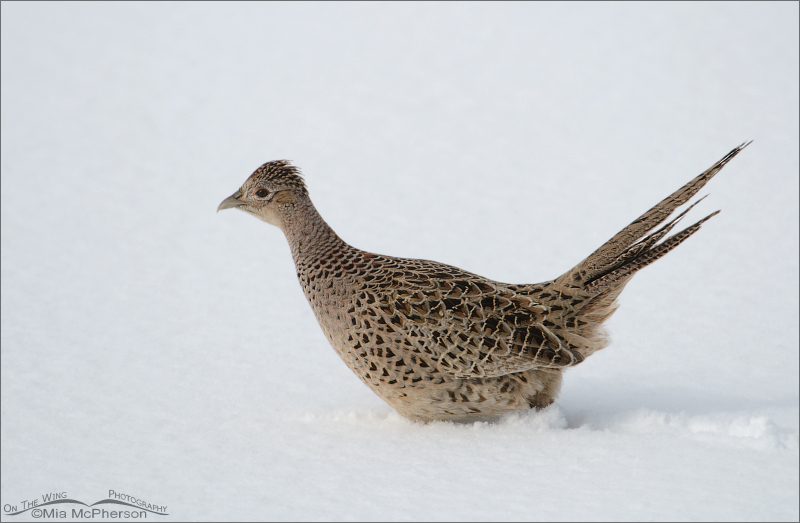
[436, 342]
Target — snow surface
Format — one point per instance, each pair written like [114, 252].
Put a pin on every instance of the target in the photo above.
[153, 347]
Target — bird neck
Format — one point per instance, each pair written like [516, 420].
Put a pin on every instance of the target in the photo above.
[310, 237]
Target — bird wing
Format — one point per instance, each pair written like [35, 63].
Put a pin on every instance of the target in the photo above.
[470, 326]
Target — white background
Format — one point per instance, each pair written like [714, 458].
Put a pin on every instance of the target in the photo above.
[156, 348]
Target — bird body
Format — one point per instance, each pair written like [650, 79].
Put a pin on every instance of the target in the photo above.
[439, 343]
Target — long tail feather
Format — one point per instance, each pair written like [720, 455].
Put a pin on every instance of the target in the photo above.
[604, 282]
[624, 254]
[588, 292]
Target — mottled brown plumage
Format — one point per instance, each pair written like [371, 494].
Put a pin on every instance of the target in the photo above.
[440, 343]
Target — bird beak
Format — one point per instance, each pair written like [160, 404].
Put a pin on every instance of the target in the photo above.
[231, 201]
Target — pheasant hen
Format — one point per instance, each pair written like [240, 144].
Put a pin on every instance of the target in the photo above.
[439, 343]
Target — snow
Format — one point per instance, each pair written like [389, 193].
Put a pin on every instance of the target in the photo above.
[153, 347]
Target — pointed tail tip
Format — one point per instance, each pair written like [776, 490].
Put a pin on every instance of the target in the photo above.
[728, 157]
[709, 217]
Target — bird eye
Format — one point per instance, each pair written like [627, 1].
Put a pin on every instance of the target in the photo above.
[262, 193]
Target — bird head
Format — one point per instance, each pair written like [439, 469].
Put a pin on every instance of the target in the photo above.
[270, 193]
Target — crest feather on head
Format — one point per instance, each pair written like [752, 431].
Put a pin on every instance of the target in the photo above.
[280, 172]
